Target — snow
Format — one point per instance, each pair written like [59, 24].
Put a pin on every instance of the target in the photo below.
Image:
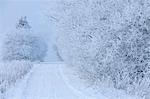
[50, 81]
[12, 10]
[54, 80]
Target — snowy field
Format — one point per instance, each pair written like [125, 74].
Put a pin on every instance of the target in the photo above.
[51, 81]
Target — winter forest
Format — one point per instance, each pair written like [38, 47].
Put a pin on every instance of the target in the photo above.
[74, 49]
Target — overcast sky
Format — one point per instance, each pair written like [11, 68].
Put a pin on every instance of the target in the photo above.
[13, 10]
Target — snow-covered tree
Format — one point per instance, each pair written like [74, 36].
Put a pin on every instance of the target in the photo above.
[106, 40]
[23, 23]
[20, 48]
[22, 44]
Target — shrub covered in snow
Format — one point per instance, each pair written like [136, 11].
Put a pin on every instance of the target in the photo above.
[22, 44]
[10, 72]
[107, 40]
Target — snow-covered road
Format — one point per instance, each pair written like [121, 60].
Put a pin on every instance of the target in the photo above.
[53, 81]
[45, 81]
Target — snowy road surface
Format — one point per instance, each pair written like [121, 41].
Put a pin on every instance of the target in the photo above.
[53, 81]
[45, 82]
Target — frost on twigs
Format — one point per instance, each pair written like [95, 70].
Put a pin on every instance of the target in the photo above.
[12, 71]
[107, 40]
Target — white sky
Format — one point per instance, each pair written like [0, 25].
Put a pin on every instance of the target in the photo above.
[11, 11]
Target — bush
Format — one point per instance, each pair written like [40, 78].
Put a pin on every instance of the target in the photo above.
[107, 40]
[10, 72]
